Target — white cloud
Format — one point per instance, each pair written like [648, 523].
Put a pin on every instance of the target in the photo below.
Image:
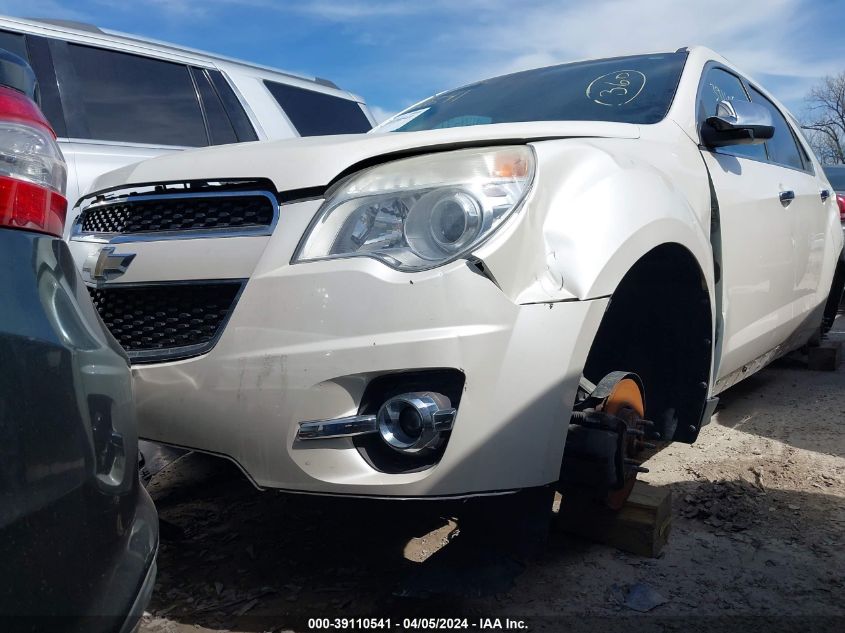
[351, 10]
[330, 10]
[380, 114]
[184, 8]
[774, 37]
[181, 9]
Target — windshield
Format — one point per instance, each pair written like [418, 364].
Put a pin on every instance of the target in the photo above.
[836, 176]
[637, 89]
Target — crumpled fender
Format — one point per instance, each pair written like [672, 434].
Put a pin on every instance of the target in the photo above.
[596, 207]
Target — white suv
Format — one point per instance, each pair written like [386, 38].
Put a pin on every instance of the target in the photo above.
[509, 281]
[115, 99]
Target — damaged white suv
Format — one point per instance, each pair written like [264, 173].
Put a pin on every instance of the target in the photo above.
[574, 258]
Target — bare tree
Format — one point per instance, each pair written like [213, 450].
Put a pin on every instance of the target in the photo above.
[825, 119]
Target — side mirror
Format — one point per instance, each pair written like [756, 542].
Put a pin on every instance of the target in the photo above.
[737, 123]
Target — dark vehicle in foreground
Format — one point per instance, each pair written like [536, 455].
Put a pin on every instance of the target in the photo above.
[78, 534]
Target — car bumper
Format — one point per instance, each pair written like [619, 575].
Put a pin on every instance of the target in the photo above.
[142, 546]
[77, 530]
[124, 592]
[304, 341]
[136, 611]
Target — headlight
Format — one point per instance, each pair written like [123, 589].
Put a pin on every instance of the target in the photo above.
[421, 212]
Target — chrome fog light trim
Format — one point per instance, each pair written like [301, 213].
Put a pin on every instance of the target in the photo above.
[339, 427]
[412, 422]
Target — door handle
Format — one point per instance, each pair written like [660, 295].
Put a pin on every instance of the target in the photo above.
[786, 197]
[825, 194]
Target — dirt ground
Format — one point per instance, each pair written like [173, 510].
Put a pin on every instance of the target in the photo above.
[757, 540]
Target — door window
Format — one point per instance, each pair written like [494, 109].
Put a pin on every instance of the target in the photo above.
[14, 43]
[720, 85]
[782, 147]
[316, 113]
[130, 98]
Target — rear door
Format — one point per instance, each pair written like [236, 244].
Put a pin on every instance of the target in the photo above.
[808, 214]
[756, 236]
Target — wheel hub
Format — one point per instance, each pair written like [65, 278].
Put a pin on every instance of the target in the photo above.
[606, 433]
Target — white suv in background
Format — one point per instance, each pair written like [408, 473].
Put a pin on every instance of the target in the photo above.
[115, 99]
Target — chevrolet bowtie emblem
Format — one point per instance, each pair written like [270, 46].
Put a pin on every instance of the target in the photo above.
[105, 265]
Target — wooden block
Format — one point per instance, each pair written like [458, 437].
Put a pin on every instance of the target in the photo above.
[825, 357]
[641, 527]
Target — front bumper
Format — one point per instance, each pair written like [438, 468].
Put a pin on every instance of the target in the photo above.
[305, 340]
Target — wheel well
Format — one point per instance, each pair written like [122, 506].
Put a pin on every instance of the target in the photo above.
[658, 325]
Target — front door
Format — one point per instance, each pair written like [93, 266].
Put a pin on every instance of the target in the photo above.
[756, 237]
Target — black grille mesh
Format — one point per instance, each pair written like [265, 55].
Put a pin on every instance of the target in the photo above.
[180, 214]
[163, 317]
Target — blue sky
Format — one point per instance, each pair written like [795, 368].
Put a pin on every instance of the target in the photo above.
[395, 53]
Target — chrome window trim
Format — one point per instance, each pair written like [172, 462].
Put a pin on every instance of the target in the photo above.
[125, 144]
[79, 235]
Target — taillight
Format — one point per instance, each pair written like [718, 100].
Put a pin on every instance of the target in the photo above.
[33, 173]
[840, 200]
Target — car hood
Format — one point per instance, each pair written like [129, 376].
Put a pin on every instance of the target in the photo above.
[302, 163]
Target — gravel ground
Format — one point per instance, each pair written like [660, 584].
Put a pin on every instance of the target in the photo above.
[757, 542]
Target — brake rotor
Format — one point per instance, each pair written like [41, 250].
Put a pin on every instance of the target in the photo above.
[625, 401]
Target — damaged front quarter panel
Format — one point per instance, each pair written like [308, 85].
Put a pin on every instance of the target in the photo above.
[596, 207]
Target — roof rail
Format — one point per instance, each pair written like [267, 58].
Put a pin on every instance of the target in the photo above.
[68, 24]
[326, 82]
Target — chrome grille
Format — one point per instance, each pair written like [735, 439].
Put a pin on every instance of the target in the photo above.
[165, 321]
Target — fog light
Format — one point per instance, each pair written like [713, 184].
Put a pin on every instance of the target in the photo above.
[412, 422]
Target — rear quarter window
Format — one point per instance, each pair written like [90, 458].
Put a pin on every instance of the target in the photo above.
[836, 176]
[315, 113]
[220, 130]
[234, 108]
